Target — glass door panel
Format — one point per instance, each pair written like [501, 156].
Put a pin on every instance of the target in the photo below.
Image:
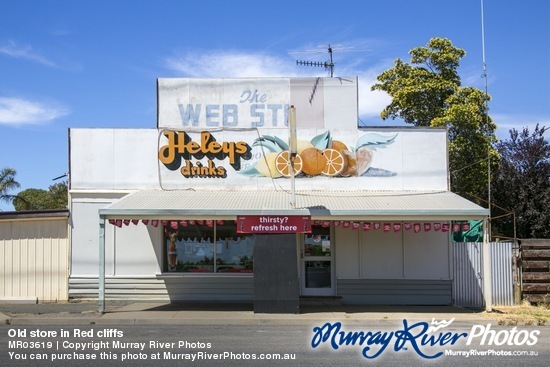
[317, 263]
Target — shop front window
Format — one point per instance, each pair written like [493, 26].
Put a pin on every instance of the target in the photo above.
[208, 247]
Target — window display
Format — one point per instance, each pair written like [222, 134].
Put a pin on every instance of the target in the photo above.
[205, 246]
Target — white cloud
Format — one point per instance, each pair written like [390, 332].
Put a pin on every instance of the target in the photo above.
[25, 52]
[371, 103]
[229, 65]
[17, 111]
[505, 123]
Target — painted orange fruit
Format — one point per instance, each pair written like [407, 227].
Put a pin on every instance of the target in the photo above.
[313, 161]
[266, 165]
[351, 164]
[283, 164]
[364, 159]
[336, 162]
[338, 145]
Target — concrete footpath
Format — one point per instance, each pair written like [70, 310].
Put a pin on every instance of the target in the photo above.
[133, 313]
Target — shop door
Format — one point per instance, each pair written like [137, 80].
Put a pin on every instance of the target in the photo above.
[317, 263]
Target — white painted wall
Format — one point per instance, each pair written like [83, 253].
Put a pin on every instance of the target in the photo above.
[112, 159]
[381, 255]
[426, 255]
[347, 253]
[403, 255]
[127, 159]
[132, 250]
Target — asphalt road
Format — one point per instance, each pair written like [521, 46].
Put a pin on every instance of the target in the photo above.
[247, 345]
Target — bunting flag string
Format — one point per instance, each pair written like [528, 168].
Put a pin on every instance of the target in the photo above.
[386, 227]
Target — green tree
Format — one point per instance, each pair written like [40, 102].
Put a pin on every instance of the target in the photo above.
[428, 92]
[59, 193]
[39, 199]
[522, 184]
[7, 184]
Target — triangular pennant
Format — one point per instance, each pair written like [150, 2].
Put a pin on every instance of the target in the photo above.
[174, 224]
[145, 221]
[366, 226]
[355, 225]
[135, 221]
[445, 227]
[387, 227]
[337, 223]
[346, 225]
[183, 223]
[456, 227]
[408, 226]
[376, 225]
[155, 223]
[397, 227]
[126, 222]
[437, 226]
[417, 227]
[427, 227]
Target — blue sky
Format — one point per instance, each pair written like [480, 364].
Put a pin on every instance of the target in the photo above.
[94, 63]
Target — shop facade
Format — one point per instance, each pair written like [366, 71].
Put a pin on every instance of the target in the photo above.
[205, 207]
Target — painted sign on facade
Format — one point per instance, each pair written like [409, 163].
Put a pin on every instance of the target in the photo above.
[273, 224]
[256, 102]
[200, 155]
[181, 147]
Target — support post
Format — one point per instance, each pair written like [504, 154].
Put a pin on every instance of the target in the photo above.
[487, 289]
[101, 279]
[293, 149]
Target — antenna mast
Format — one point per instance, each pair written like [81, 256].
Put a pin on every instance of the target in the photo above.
[484, 75]
[328, 65]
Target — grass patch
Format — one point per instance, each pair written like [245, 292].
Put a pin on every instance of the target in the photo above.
[524, 314]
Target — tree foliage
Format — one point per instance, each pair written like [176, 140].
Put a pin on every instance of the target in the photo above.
[38, 199]
[522, 184]
[7, 184]
[428, 92]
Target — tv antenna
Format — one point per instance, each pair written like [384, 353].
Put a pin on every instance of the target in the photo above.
[329, 64]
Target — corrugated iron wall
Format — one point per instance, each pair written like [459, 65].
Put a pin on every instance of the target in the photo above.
[468, 274]
[502, 274]
[34, 259]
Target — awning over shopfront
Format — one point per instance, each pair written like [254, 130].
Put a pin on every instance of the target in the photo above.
[328, 205]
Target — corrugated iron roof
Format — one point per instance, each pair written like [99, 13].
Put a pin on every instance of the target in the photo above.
[364, 205]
